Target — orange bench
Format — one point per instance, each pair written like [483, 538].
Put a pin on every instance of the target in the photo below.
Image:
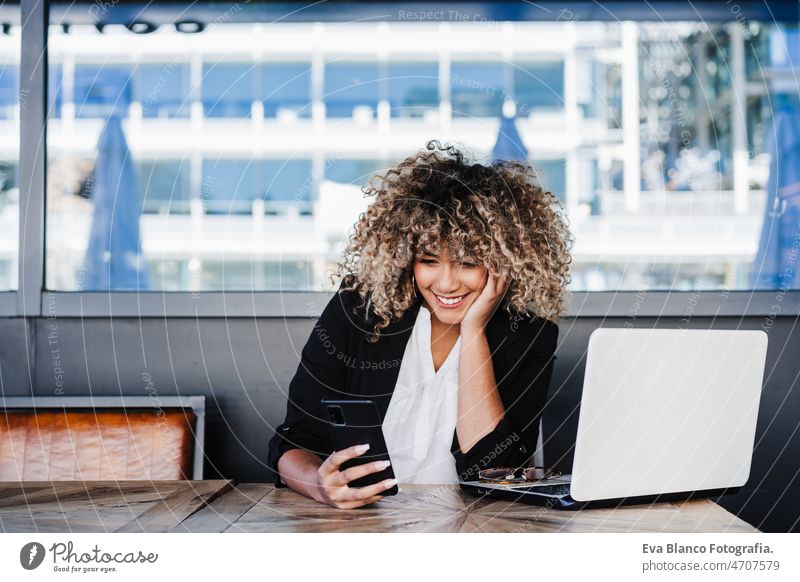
[101, 438]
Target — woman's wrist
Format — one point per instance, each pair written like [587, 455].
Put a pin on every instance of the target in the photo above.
[471, 332]
[299, 470]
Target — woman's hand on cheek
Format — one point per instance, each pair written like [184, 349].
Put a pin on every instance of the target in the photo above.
[482, 308]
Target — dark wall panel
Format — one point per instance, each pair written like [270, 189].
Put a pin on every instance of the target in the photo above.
[243, 367]
[240, 365]
[16, 341]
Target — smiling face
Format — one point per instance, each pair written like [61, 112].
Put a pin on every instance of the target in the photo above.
[447, 287]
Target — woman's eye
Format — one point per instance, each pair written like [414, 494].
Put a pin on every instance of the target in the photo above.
[427, 261]
[469, 265]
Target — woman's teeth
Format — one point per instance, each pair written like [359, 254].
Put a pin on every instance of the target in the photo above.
[452, 301]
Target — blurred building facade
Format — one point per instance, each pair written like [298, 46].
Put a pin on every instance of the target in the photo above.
[252, 140]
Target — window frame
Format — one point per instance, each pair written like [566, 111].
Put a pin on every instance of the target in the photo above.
[32, 299]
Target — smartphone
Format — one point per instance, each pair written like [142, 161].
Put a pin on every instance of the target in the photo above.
[357, 422]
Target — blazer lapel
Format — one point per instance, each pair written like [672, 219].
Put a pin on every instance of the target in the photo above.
[498, 330]
[381, 360]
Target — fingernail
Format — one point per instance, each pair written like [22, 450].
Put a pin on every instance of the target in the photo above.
[382, 464]
[362, 448]
[390, 483]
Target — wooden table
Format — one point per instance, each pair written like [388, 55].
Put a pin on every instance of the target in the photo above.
[219, 506]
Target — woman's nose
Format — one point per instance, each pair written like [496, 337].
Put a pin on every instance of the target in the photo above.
[448, 279]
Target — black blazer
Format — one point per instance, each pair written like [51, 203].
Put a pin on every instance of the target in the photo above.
[339, 362]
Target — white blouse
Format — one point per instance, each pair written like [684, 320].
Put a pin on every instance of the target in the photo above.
[421, 418]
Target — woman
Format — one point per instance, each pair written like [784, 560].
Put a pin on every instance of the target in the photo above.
[451, 284]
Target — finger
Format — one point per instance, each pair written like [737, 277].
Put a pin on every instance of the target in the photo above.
[371, 500]
[354, 473]
[494, 282]
[360, 502]
[501, 283]
[483, 289]
[370, 490]
[488, 291]
[333, 462]
[502, 287]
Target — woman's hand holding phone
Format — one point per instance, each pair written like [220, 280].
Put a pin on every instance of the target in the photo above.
[332, 484]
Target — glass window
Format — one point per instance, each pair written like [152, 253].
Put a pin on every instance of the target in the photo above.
[478, 89]
[553, 177]
[55, 97]
[165, 186]
[9, 153]
[286, 183]
[9, 218]
[102, 90]
[9, 91]
[413, 88]
[349, 171]
[286, 88]
[233, 185]
[228, 89]
[8, 178]
[230, 186]
[612, 103]
[162, 90]
[351, 88]
[232, 275]
[692, 215]
[169, 275]
[538, 86]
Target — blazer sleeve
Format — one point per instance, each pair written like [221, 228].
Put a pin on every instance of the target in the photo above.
[523, 386]
[321, 373]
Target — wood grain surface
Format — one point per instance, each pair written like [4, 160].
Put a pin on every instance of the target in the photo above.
[219, 506]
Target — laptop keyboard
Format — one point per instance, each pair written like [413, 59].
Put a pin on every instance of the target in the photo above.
[554, 490]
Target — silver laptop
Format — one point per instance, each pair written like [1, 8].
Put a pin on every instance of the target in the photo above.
[665, 414]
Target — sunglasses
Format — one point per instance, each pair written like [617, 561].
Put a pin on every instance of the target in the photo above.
[518, 475]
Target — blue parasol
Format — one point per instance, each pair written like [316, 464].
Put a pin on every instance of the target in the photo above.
[509, 145]
[777, 262]
[114, 255]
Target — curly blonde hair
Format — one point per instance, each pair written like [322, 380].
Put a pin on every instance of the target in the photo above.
[497, 215]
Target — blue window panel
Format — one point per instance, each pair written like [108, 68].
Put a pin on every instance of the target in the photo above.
[356, 172]
[228, 89]
[9, 90]
[232, 275]
[784, 48]
[163, 90]
[286, 86]
[165, 186]
[54, 88]
[538, 86]
[8, 176]
[784, 55]
[477, 89]
[413, 88]
[289, 275]
[552, 175]
[350, 85]
[100, 91]
[286, 180]
[230, 186]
